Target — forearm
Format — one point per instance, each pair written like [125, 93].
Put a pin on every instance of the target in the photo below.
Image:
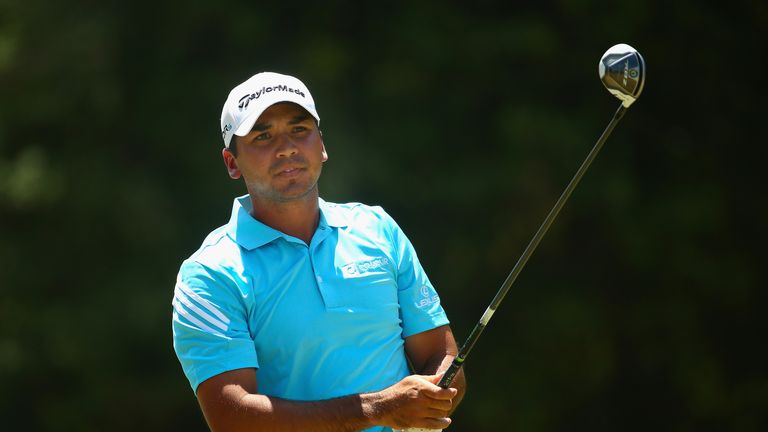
[257, 412]
[411, 402]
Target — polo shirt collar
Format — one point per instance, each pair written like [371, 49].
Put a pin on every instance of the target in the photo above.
[332, 215]
[251, 233]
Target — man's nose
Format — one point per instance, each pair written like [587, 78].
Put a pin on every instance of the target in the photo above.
[286, 146]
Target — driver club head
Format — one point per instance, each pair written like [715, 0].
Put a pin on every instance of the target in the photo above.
[622, 71]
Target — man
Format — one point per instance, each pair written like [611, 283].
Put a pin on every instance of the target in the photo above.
[300, 314]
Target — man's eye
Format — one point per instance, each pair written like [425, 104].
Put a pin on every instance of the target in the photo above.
[299, 129]
[263, 136]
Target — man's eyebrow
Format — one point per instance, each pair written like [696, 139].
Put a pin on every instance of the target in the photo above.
[298, 119]
[261, 127]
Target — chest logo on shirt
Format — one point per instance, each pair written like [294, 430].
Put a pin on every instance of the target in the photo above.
[360, 267]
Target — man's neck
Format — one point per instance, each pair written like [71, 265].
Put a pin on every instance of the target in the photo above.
[298, 218]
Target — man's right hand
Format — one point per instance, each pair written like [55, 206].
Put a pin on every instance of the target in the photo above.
[414, 402]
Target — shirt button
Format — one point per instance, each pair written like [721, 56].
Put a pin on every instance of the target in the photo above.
[319, 279]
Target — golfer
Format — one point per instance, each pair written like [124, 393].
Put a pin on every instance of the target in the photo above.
[301, 314]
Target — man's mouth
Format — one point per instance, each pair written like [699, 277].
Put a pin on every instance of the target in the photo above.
[289, 171]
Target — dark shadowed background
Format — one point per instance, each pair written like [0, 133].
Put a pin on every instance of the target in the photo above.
[641, 310]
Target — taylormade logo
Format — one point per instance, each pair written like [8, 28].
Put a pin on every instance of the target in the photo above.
[245, 100]
[626, 72]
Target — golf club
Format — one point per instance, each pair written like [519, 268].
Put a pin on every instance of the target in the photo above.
[622, 71]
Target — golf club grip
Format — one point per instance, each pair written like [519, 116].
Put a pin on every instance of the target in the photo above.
[449, 375]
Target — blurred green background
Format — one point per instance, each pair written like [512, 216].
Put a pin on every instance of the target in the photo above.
[641, 310]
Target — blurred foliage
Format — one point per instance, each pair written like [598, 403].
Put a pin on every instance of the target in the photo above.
[641, 310]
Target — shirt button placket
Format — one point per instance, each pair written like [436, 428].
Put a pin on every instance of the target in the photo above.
[318, 278]
[314, 247]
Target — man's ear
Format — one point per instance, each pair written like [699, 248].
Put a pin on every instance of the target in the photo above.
[231, 163]
[325, 153]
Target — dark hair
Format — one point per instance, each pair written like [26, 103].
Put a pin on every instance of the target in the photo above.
[233, 145]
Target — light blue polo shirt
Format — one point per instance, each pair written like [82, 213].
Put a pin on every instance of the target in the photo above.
[318, 321]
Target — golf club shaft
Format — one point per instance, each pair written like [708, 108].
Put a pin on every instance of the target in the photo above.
[454, 368]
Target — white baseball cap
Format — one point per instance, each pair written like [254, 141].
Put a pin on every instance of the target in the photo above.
[248, 100]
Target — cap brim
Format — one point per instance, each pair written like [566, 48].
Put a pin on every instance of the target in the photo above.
[247, 124]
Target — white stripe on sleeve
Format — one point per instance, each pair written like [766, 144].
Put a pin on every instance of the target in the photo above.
[181, 311]
[191, 294]
[180, 297]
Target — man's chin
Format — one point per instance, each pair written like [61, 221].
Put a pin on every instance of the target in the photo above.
[287, 198]
[292, 193]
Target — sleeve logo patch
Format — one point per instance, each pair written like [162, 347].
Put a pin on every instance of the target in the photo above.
[426, 297]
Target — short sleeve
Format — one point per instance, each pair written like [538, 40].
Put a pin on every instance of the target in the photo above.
[210, 325]
[420, 307]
